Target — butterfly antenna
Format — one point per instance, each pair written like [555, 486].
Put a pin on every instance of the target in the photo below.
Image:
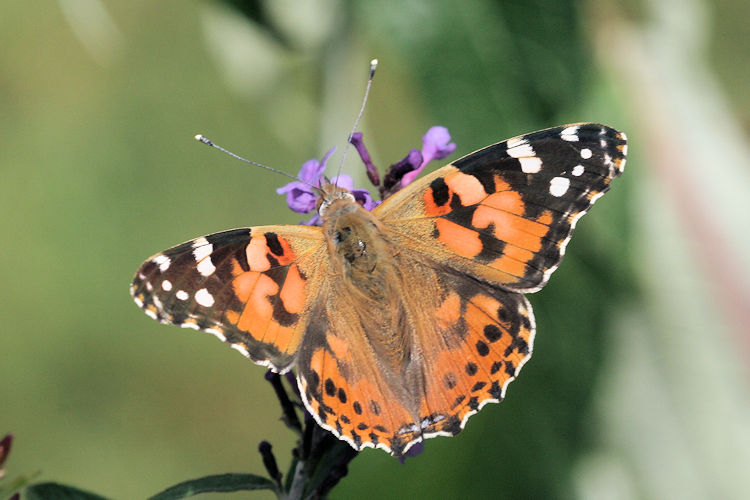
[208, 142]
[373, 67]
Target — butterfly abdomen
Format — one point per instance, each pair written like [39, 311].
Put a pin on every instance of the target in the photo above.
[362, 260]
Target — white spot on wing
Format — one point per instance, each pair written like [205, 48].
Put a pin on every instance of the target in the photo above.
[204, 298]
[577, 170]
[530, 165]
[202, 252]
[586, 153]
[558, 186]
[206, 267]
[515, 143]
[412, 428]
[519, 148]
[570, 134]
[162, 261]
[166, 285]
[157, 302]
[182, 295]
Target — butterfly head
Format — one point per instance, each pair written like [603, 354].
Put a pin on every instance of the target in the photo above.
[329, 194]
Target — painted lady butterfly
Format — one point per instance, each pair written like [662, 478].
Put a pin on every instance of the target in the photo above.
[406, 320]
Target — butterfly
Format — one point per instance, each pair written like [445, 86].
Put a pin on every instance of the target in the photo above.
[405, 320]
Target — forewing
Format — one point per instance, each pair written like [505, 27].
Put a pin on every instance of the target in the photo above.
[249, 287]
[506, 212]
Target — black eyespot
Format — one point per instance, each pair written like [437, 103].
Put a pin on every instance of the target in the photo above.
[330, 387]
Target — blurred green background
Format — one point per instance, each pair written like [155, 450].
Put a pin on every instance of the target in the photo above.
[639, 383]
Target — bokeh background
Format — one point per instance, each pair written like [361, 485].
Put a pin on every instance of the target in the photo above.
[639, 383]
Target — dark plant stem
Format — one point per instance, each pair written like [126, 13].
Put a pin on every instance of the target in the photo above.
[319, 461]
[289, 415]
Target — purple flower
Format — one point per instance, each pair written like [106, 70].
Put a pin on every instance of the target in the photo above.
[299, 195]
[5, 444]
[415, 450]
[436, 145]
[359, 145]
[361, 196]
[397, 171]
[315, 220]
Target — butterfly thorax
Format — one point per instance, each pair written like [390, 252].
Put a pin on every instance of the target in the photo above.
[357, 247]
[363, 262]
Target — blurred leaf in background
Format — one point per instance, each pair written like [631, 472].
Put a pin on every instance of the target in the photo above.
[638, 384]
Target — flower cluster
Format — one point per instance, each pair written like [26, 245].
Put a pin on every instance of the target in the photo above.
[301, 197]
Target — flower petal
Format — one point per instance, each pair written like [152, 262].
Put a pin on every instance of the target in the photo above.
[363, 197]
[343, 181]
[299, 195]
[418, 161]
[311, 171]
[436, 144]
[359, 145]
[315, 220]
[301, 201]
[326, 156]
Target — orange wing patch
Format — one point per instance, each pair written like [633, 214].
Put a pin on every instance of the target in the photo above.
[461, 377]
[347, 392]
[494, 228]
[462, 240]
[350, 405]
[249, 287]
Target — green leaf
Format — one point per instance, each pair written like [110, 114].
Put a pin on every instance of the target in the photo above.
[221, 482]
[15, 484]
[54, 491]
[290, 474]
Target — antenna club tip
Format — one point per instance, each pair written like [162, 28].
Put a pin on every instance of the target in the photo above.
[373, 67]
[203, 139]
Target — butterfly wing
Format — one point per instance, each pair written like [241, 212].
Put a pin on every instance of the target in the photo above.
[459, 345]
[467, 240]
[471, 237]
[506, 212]
[480, 339]
[249, 287]
[342, 382]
